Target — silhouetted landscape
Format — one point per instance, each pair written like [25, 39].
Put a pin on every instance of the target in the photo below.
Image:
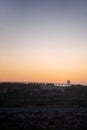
[44, 106]
[43, 43]
[25, 94]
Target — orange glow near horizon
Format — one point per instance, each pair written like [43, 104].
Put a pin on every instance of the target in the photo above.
[43, 41]
[42, 75]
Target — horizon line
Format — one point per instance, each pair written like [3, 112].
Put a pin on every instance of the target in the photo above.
[27, 82]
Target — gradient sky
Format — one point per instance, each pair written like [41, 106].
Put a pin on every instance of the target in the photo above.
[43, 40]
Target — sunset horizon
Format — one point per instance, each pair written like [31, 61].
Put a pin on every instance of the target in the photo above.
[43, 41]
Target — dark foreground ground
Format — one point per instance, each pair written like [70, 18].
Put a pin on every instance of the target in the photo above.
[42, 107]
[43, 118]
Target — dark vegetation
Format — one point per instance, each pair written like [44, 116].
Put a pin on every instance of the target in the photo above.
[35, 106]
[20, 94]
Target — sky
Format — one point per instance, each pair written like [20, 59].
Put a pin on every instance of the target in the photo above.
[43, 41]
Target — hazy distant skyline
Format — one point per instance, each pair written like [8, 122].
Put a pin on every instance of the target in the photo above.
[43, 40]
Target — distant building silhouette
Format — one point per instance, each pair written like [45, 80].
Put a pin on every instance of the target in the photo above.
[68, 83]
